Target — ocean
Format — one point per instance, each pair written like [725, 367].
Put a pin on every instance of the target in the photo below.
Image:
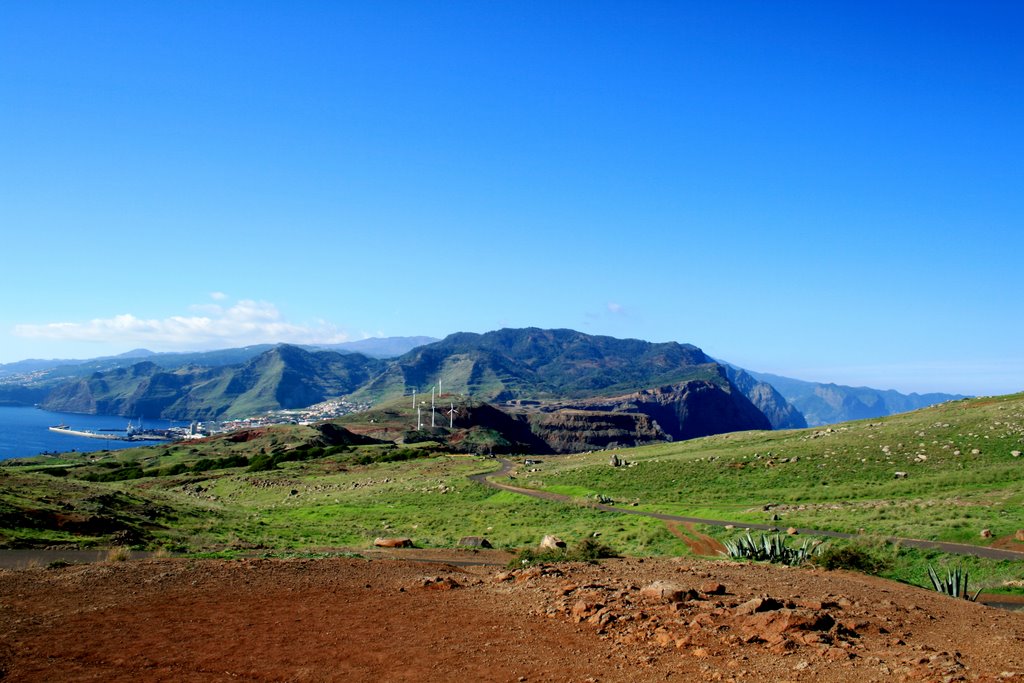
[24, 432]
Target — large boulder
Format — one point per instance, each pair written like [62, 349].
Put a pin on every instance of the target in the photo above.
[550, 542]
[392, 542]
[475, 542]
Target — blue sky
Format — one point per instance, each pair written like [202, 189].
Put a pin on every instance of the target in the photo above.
[828, 191]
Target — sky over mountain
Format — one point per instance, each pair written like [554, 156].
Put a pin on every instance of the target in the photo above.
[828, 191]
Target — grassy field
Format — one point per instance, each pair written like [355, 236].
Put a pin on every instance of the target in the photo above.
[962, 476]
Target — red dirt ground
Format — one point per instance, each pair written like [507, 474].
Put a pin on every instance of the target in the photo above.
[400, 620]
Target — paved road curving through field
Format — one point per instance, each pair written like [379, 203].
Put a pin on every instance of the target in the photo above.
[953, 548]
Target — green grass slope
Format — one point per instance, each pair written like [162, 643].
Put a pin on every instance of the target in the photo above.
[962, 474]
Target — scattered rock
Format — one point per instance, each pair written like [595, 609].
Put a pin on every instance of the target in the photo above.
[792, 531]
[663, 591]
[446, 583]
[765, 604]
[899, 475]
[585, 607]
[986, 533]
[1020, 535]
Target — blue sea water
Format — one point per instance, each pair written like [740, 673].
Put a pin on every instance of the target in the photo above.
[24, 432]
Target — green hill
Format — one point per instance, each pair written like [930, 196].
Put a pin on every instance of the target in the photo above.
[542, 364]
[281, 377]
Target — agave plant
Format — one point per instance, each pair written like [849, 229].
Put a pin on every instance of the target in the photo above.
[955, 583]
[771, 548]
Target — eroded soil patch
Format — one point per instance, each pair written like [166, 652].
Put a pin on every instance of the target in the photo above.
[397, 620]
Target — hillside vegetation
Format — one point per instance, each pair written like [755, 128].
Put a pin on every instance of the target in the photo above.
[940, 473]
[300, 488]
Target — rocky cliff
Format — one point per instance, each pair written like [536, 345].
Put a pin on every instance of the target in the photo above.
[780, 412]
[681, 411]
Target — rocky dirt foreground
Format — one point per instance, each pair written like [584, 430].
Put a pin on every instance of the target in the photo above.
[400, 620]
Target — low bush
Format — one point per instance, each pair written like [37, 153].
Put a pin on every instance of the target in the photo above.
[865, 557]
[176, 468]
[119, 554]
[262, 463]
[122, 474]
[207, 464]
[587, 550]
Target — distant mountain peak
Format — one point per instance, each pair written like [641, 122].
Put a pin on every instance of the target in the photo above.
[135, 353]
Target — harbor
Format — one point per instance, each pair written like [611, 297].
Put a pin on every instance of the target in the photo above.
[129, 434]
[132, 432]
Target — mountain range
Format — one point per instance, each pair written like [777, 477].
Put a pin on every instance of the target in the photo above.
[681, 391]
[377, 347]
[823, 404]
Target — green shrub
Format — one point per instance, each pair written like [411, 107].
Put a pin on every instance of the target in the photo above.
[262, 463]
[122, 474]
[858, 556]
[177, 468]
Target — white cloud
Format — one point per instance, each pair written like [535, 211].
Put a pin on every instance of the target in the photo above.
[210, 326]
[616, 309]
[218, 296]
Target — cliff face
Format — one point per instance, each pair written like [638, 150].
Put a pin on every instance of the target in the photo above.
[576, 431]
[681, 411]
